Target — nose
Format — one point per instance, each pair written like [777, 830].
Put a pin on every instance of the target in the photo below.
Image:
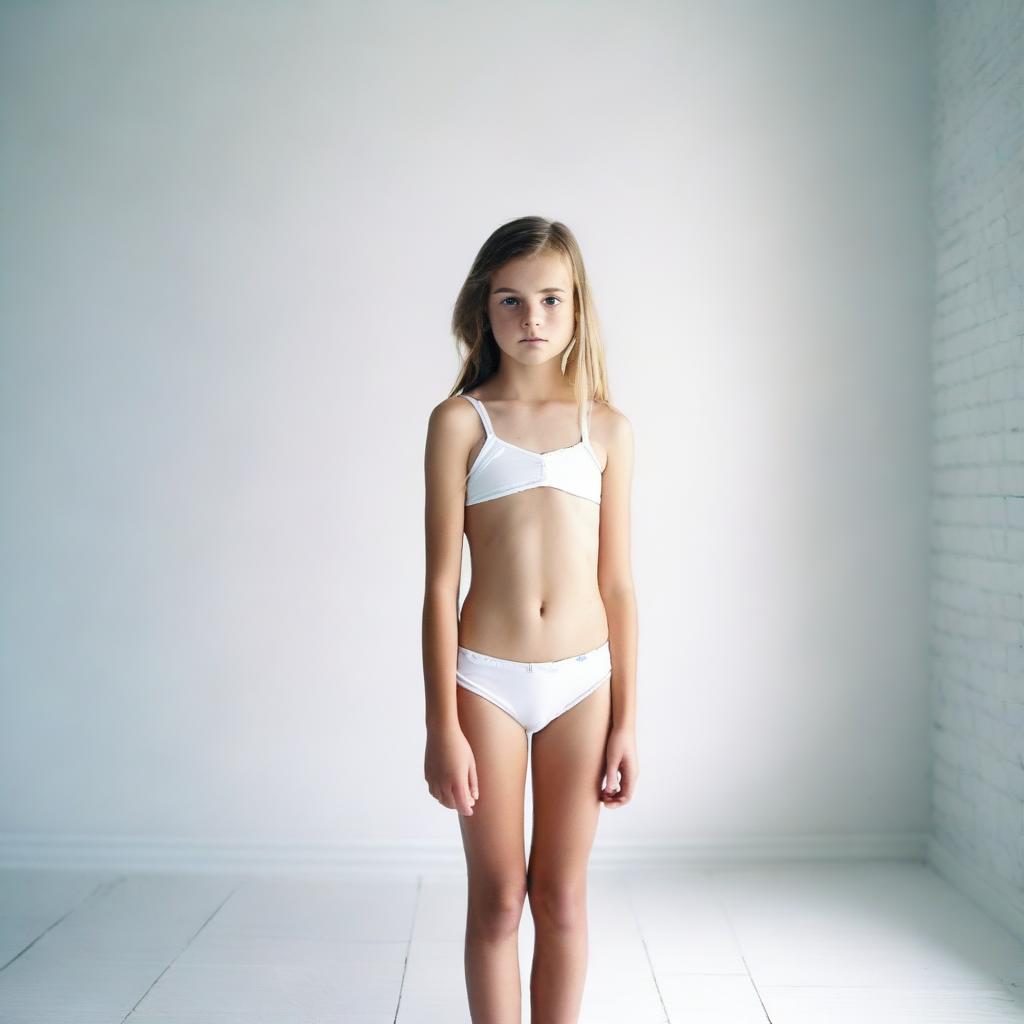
[529, 318]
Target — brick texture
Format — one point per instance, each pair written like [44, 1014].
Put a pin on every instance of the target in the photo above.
[977, 450]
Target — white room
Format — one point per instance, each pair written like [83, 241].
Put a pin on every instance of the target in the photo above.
[237, 239]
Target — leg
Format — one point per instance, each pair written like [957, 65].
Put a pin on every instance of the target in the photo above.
[492, 837]
[567, 767]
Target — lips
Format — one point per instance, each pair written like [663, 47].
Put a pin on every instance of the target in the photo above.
[531, 339]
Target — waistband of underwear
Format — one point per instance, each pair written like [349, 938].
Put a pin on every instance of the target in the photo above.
[487, 659]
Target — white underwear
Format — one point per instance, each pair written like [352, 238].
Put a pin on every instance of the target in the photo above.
[534, 693]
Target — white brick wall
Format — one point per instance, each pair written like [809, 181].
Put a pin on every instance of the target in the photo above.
[977, 523]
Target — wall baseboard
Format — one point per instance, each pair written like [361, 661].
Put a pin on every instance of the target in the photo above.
[132, 853]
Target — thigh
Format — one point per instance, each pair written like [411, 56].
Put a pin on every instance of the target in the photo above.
[492, 835]
[568, 760]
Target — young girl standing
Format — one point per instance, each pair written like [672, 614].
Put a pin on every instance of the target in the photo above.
[528, 457]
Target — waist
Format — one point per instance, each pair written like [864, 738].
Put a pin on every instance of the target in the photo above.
[534, 628]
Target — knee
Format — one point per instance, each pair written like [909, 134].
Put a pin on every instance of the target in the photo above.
[558, 903]
[496, 908]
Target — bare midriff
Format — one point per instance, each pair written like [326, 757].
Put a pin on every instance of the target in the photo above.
[533, 594]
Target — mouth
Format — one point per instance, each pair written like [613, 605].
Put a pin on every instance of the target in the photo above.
[521, 340]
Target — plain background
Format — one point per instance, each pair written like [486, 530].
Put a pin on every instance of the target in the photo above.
[231, 239]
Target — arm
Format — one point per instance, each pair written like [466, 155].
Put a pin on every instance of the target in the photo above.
[448, 767]
[615, 582]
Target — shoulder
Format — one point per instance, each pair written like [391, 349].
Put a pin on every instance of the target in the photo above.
[614, 426]
[453, 416]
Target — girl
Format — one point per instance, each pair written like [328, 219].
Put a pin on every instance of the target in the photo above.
[549, 619]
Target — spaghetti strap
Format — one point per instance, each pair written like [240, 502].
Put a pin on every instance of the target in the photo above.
[479, 406]
[585, 421]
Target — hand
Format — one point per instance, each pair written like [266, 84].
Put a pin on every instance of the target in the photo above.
[450, 770]
[620, 758]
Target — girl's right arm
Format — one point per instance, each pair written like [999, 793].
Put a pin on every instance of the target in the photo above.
[448, 765]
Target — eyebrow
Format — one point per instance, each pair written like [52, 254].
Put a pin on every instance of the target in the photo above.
[514, 292]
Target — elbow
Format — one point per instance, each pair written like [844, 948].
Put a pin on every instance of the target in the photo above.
[439, 588]
[616, 590]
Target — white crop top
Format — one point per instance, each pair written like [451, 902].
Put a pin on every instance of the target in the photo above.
[502, 468]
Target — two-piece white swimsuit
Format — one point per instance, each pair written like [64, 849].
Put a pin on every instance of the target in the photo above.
[532, 692]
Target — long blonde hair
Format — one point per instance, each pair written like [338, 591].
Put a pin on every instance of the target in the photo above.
[583, 358]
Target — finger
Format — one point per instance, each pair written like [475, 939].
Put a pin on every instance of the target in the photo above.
[623, 796]
[474, 786]
[463, 801]
[629, 777]
[611, 780]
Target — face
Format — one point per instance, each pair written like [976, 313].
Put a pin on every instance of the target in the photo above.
[531, 297]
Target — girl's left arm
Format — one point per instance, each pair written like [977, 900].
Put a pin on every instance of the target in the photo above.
[615, 582]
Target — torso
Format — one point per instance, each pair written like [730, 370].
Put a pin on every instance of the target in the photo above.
[534, 594]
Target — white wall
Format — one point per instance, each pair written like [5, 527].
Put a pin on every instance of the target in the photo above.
[977, 451]
[232, 235]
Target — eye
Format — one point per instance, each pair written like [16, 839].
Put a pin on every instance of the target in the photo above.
[512, 298]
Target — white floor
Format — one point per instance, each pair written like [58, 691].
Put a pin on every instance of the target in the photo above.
[786, 944]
